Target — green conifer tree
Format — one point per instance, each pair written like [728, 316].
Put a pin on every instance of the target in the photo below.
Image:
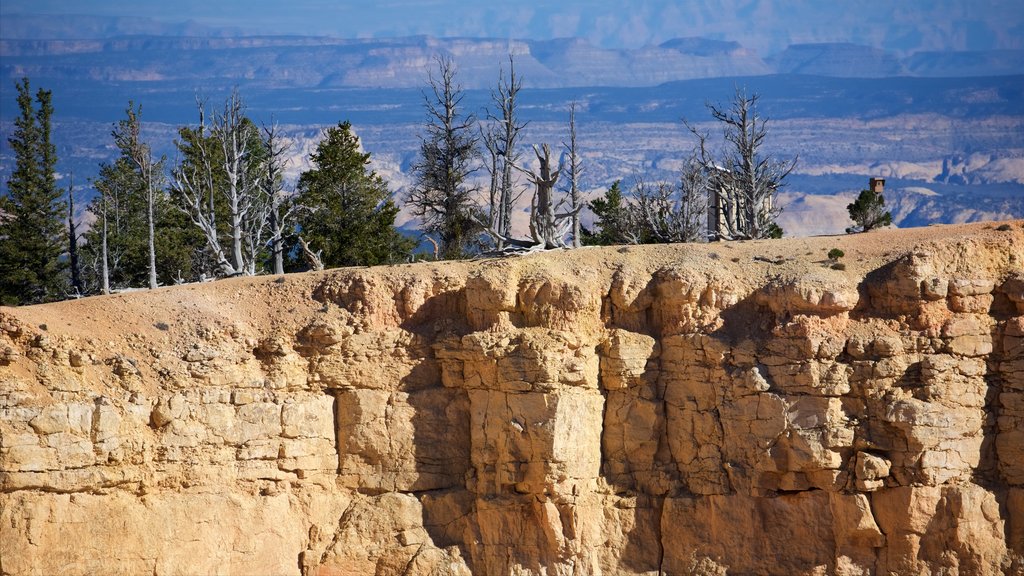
[613, 222]
[868, 212]
[347, 211]
[32, 234]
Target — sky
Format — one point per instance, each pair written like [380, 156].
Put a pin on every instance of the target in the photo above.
[762, 25]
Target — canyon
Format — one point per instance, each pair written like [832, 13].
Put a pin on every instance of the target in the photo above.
[752, 408]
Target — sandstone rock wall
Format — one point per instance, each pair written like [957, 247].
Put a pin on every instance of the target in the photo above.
[668, 410]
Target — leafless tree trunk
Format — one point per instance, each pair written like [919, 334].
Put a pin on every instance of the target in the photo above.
[544, 226]
[105, 271]
[575, 172]
[436, 246]
[448, 156]
[76, 276]
[489, 136]
[547, 229]
[506, 141]
[248, 205]
[234, 145]
[744, 182]
[313, 258]
[280, 208]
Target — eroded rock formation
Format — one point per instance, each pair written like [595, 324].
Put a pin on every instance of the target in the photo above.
[735, 408]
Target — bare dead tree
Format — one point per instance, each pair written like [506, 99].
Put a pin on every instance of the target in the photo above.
[489, 137]
[506, 140]
[127, 137]
[105, 270]
[280, 208]
[441, 195]
[312, 258]
[248, 205]
[76, 276]
[575, 171]
[547, 228]
[194, 180]
[240, 167]
[435, 245]
[744, 182]
[677, 213]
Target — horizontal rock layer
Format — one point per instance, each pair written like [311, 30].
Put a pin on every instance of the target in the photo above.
[740, 408]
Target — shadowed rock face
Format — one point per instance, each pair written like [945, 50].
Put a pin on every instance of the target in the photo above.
[642, 410]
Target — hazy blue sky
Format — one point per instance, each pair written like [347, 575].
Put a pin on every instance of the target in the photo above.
[764, 25]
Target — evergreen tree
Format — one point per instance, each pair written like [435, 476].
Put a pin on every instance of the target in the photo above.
[347, 210]
[121, 208]
[32, 237]
[127, 136]
[120, 203]
[868, 212]
[613, 221]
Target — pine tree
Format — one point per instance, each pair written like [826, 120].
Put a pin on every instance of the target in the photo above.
[32, 237]
[127, 136]
[347, 211]
[868, 212]
[120, 206]
[613, 221]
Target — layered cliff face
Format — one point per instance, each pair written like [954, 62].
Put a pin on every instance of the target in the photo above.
[737, 408]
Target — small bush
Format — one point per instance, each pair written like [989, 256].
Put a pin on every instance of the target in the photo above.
[835, 254]
[1003, 227]
[162, 326]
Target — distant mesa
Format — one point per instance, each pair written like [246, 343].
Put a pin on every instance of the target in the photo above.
[837, 59]
[701, 46]
[960, 64]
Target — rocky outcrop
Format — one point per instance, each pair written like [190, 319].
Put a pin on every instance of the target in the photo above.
[695, 409]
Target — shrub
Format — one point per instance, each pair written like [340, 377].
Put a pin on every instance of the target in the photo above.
[835, 254]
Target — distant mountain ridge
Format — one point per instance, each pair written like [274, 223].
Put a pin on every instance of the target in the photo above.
[324, 62]
[765, 26]
[89, 27]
